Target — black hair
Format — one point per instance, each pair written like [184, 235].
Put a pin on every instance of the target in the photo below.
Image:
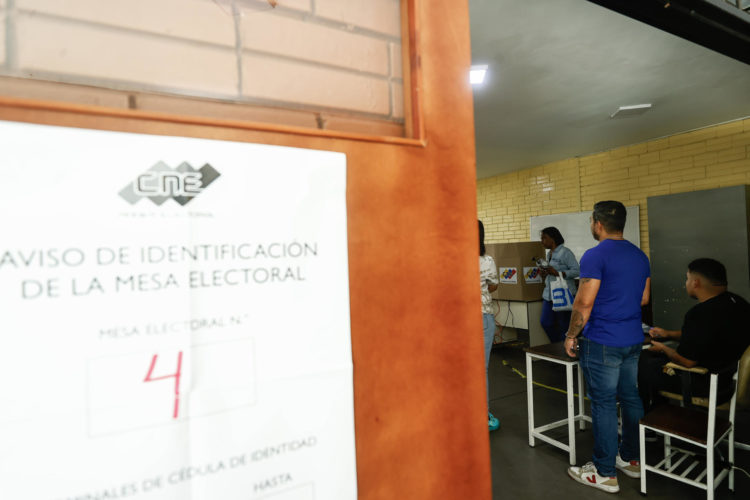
[713, 270]
[611, 214]
[482, 248]
[555, 234]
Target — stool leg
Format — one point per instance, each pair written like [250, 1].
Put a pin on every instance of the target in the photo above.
[571, 413]
[530, 397]
[581, 410]
[668, 449]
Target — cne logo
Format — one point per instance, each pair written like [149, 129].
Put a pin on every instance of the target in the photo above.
[161, 182]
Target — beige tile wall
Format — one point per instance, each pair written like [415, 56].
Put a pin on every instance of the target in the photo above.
[277, 79]
[2, 33]
[183, 19]
[299, 5]
[381, 16]
[397, 69]
[295, 38]
[713, 157]
[338, 57]
[121, 59]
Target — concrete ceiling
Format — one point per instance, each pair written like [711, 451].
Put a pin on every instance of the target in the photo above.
[559, 68]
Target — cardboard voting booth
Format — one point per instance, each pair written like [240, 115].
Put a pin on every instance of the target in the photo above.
[518, 272]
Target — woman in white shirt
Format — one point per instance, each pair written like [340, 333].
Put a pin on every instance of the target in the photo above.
[488, 282]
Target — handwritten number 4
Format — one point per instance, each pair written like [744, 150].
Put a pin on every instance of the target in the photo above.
[175, 375]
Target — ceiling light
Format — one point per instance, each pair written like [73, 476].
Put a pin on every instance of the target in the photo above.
[477, 74]
[631, 110]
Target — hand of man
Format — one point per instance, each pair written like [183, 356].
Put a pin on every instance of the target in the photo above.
[570, 346]
[551, 270]
[657, 347]
[657, 333]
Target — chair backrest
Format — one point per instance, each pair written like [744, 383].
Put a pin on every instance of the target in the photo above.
[743, 380]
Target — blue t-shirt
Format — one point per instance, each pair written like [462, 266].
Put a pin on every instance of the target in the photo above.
[616, 316]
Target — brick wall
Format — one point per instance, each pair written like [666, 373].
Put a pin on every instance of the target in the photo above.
[712, 157]
[340, 57]
[2, 32]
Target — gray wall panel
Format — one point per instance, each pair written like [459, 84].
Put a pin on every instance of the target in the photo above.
[682, 227]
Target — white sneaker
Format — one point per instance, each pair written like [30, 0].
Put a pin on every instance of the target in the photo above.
[590, 477]
[630, 469]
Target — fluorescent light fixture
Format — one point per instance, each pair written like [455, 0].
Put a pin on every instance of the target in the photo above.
[477, 74]
[631, 110]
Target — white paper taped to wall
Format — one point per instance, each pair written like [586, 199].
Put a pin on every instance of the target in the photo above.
[149, 288]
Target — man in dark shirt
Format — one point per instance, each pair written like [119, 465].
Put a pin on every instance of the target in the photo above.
[714, 334]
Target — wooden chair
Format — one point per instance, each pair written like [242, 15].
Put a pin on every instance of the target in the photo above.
[700, 428]
[743, 390]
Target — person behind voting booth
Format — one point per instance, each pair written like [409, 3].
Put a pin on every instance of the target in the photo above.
[563, 264]
[605, 327]
[488, 282]
[714, 335]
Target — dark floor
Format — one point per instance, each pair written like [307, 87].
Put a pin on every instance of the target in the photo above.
[525, 473]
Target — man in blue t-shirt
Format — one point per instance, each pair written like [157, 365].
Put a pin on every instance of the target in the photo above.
[614, 284]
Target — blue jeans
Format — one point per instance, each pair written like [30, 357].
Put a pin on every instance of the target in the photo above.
[488, 321]
[554, 323]
[611, 374]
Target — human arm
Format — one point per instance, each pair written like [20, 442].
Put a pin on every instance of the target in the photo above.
[489, 273]
[566, 265]
[646, 292]
[582, 306]
[661, 333]
[672, 354]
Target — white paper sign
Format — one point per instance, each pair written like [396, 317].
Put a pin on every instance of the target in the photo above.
[532, 275]
[175, 319]
[508, 275]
